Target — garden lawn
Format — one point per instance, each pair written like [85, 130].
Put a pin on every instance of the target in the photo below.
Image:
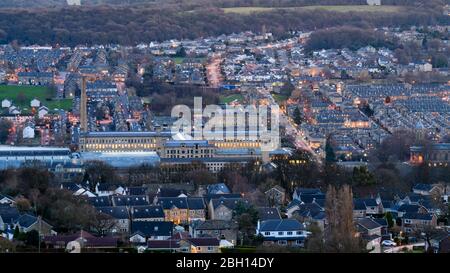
[21, 96]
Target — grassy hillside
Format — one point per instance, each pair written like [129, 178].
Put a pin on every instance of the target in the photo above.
[344, 8]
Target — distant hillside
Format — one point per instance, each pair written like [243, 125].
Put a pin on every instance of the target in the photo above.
[214, 3]
[61, 3]
[190, 19]
[30, 3]
[128, 25]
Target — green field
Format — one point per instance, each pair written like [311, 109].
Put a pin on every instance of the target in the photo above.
[179, 60]
[342, 8]
[279, 98]
[28, 93]
[231, 98]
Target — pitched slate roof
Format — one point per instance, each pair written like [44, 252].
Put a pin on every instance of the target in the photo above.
[70, 186]
[9, 214]
[370, 202]
[301, 191]
[164, 244]
[359, 204]
[115, 212]
[7, 197]
[319, 216]
[216, 225]
[204, 241]
[108, 241]
[170, 202]
[281, 225]
[423, 187]
[26, 220]
[409, 208]
[152, 228]
[416, 198]
[363, 203]
[268, 213]
[55, 239]
[140, 212]
[368, 223]
[309, 198]
[180, 235]
[428, 204]
[387, 204]
[130, 200]
[293, 203]
[100, 201]
[169, 192]
[320, 202]
[208, 197]
[90, 240]
[196, 203]
[418, 216]
[230, 203]
[382, 221]
[219, 187]
[277, 188]
[308, 210]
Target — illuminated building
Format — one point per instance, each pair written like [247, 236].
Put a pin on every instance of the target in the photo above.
[123, 141]
[438, 155]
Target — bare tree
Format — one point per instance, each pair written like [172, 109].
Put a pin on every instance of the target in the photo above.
[315, 241]
[341, 235]
[101, 222]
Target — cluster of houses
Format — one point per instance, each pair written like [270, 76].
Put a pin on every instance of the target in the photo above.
[250, 62]
[33, 65]
[10, 109]
[177, 220]
[11, 219]
[402, 106]
[187, 71]
[411, 213]
[173, 220]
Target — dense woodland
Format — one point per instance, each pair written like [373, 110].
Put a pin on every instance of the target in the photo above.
[189, 19]
[348, 37]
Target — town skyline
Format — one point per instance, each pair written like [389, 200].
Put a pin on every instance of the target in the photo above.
[276, 139]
